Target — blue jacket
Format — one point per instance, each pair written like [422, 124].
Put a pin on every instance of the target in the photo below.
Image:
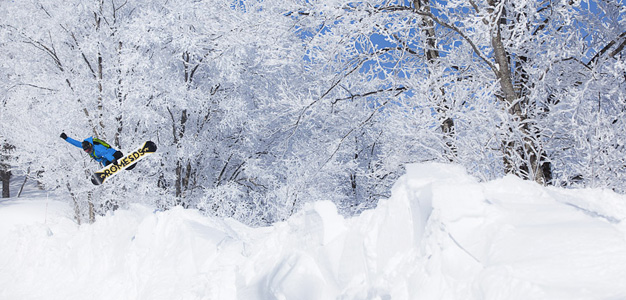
[100, 153]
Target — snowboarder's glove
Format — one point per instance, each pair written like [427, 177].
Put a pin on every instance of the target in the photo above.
[63, 135]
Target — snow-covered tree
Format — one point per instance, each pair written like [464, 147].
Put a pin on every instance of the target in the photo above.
[258, 107]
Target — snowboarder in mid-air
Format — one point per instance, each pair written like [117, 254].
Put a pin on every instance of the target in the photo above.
[98, 149]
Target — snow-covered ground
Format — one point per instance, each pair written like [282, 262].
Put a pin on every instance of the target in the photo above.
[442, 235]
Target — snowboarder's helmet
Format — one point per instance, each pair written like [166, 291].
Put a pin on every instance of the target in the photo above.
[87, 146]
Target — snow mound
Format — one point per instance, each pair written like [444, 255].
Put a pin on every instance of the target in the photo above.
[442, 235]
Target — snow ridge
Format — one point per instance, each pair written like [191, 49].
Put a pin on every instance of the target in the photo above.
[442, 235]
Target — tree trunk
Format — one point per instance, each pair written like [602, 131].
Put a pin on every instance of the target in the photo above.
[5, 176]
[432, 56]
[121, 96]
[99, 74]
[5, 173]
[180, 169]
[75, 202]
[19, 193]
[524, 158]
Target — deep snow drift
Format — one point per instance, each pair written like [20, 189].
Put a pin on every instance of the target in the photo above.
[442, 235]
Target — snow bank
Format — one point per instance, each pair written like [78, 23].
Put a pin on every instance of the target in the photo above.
[442, 235]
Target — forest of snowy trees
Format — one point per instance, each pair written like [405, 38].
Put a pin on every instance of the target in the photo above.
[260, 106]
